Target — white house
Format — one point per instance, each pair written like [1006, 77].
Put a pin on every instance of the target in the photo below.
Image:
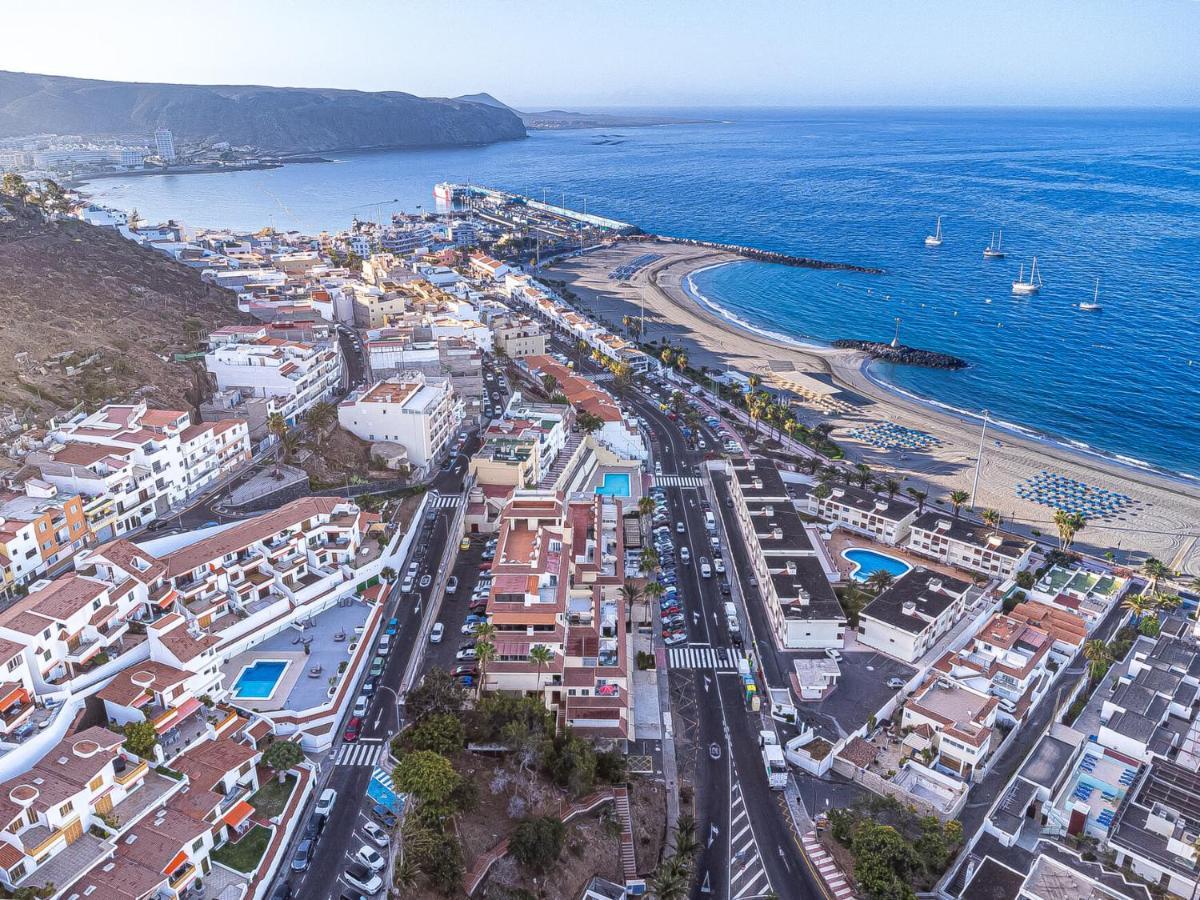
[416, 412]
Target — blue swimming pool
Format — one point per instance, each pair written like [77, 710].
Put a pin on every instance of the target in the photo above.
[615, 484]
[867, 561]
[258, 681]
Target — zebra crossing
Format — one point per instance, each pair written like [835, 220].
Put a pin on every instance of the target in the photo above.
[363, 754]
[679, 481]
[702, 658]
[448, 501]
[747, 874]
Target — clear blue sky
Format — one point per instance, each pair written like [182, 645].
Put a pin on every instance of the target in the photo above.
[532, 53]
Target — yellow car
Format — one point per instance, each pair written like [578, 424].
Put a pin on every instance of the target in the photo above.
[465, 544]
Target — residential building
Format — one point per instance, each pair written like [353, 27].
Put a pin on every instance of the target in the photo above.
[40, 527]
[1155, 833]
[976, 548]
[291, 374]
[416, 412]
[617, 433]
[519, 336]
[862, 511]
[1067, 630]
[953, 721]
[909, 617]
[164, 144]
[1079, 589]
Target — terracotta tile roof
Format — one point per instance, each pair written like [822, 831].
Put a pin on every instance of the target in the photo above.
[860, 752]
[133, 682]
[56, 602]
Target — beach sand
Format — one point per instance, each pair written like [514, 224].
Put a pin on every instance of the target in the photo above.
[1161, 522]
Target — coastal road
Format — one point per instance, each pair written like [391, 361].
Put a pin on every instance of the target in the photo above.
[746, 844]
[348, 766]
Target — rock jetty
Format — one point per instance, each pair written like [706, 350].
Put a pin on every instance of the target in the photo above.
[783, 259]
[898, 353]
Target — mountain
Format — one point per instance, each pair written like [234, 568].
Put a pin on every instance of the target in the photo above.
[273, 119]
[562, 118]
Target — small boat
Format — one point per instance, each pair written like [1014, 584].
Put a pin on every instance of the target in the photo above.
[992, 250]
[1023, 288]
[1094, 303]
[935, 239]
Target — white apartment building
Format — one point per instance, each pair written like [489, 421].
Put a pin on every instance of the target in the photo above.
[864, 512]
[292, 374]
[419, 413]
[164, 144]
[908, 618]
[975, 548]
[154, 459]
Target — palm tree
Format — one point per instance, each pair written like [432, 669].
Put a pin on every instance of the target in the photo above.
[1098, 656]
[588, 422]
[681, 361]
[319, 417]
[277, 427]
[653, 591]
[648, 561]
[686, 844]
[549, 383]
[1166, 601]
[1068, 524]
[880, 579]
[892, 486]
[667, 356]
[1139, 605]
[1154, 570]
[485, 652]
[630, 593]
[645, 506]
[542, 656]
[862, 474]
[991, 518]
[919, 496]
[957, 499]
[671, 879]
[754, 381]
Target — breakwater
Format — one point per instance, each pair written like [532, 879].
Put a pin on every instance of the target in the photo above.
[899, 353]
[771, 256]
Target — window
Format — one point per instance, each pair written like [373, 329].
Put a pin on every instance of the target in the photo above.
[14, 663]
[96, 783]
[198, 844]
[65, 809]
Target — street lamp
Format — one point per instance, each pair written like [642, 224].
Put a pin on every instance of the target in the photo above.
[979, 458]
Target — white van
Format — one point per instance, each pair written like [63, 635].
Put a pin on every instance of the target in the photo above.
[710, 521]
[705, 568]
[385, 644]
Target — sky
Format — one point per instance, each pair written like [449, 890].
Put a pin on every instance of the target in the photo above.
[657, 53]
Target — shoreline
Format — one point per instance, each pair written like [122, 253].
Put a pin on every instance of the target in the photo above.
[1161, 522]
[1014, 429]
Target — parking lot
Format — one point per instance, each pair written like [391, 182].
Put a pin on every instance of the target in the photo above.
[456, 607]
[861, 690]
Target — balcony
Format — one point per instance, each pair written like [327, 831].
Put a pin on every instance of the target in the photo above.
[130, 775]
[183, 877]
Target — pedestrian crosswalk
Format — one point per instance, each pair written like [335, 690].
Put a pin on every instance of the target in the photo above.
[449, 501]
[680, 481]
[747, 874]
[362, 754]
[703, 658]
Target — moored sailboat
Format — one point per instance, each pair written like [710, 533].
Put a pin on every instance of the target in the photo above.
[935, 239]
[992, 250]
[1023, 288]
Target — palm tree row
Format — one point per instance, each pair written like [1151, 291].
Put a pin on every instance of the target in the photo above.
[673, 877]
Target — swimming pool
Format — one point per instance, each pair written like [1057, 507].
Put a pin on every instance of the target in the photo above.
[867, 561]
[615, 484]
[258, 681]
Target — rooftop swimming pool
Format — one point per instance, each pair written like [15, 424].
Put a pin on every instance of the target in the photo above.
[259, 680]
[867, 561]
[615, 484]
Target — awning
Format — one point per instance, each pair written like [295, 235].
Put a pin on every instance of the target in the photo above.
[240, 813]
[180, 713]
[180, 859]
[11, 694]
[917, 741]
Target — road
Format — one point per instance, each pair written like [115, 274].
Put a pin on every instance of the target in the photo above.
[348, 767]
[747, 847]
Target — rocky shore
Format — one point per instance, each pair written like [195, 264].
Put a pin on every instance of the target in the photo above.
[899, 353]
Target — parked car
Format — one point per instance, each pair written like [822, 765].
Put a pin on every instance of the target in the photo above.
[464, 544]
[833, 654]
[452, 584]
[370, 858]
[895, 683]
[466, 654]
[384, 815]
[719, 565]
[353, 728]
[303, 856]
[376, 835]
[471, 669]
[325, 802]
[674, 638]
[377, 665]
[360, 706]
[393, 626]
[314, 826]
[283, 891]
[359, 876]
[435, 636]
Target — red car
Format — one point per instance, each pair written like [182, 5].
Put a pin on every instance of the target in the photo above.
[353, 727]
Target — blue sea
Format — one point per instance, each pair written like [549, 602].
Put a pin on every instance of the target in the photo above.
[1113, 195]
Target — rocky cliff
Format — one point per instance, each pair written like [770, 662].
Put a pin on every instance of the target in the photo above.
[273, 119]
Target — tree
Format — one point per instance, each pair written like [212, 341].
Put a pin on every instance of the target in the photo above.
[588, 422]
[884, 862]
[822, 491]
[277, 427]
[991, 518]
[281, 756]
[442, 733]
[15, 186]
[1154, 570]
[140, 738]
[891, 486]
[485, 654]
[652, 592]
[1097, 654]
[1068, 524]
[648, 562]
[681, 361]
[437, 693]
[570, 762]
[1150, 626]
[542, 656]
[919, 496]
[1139, 605]
[630, 594]
[862, 474]
[880, 579]
[428, 776]
[671, 879]
[537, 843]
[319, 417]
[667, 356]
[387, 573]
[549, 383]
[646, 506]
[957, 499]
[686, 844]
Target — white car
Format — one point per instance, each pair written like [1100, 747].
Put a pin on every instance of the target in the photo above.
[360, 706]
[685, 555]
[362, 879]
[325, 802]
[680, 528]
[719, 566]
[833, 654]
[376, 833]
[435, 636]
[369, 858]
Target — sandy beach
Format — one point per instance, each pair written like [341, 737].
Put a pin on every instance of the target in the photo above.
[1162, 521]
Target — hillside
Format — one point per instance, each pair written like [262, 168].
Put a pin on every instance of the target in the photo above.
[565, 119]
[274, 119]
[69, 288]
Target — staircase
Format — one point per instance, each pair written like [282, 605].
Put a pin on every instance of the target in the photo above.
[628, 859]
[564, 459]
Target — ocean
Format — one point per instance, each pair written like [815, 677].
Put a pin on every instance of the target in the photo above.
[1113, 195]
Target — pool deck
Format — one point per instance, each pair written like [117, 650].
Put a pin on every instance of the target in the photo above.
[843, 540]
[296, 690]
[635, 482]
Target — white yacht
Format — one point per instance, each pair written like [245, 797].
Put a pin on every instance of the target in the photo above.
[1023, 288]
[993, 249]
[935, 239]
[1094, 303]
